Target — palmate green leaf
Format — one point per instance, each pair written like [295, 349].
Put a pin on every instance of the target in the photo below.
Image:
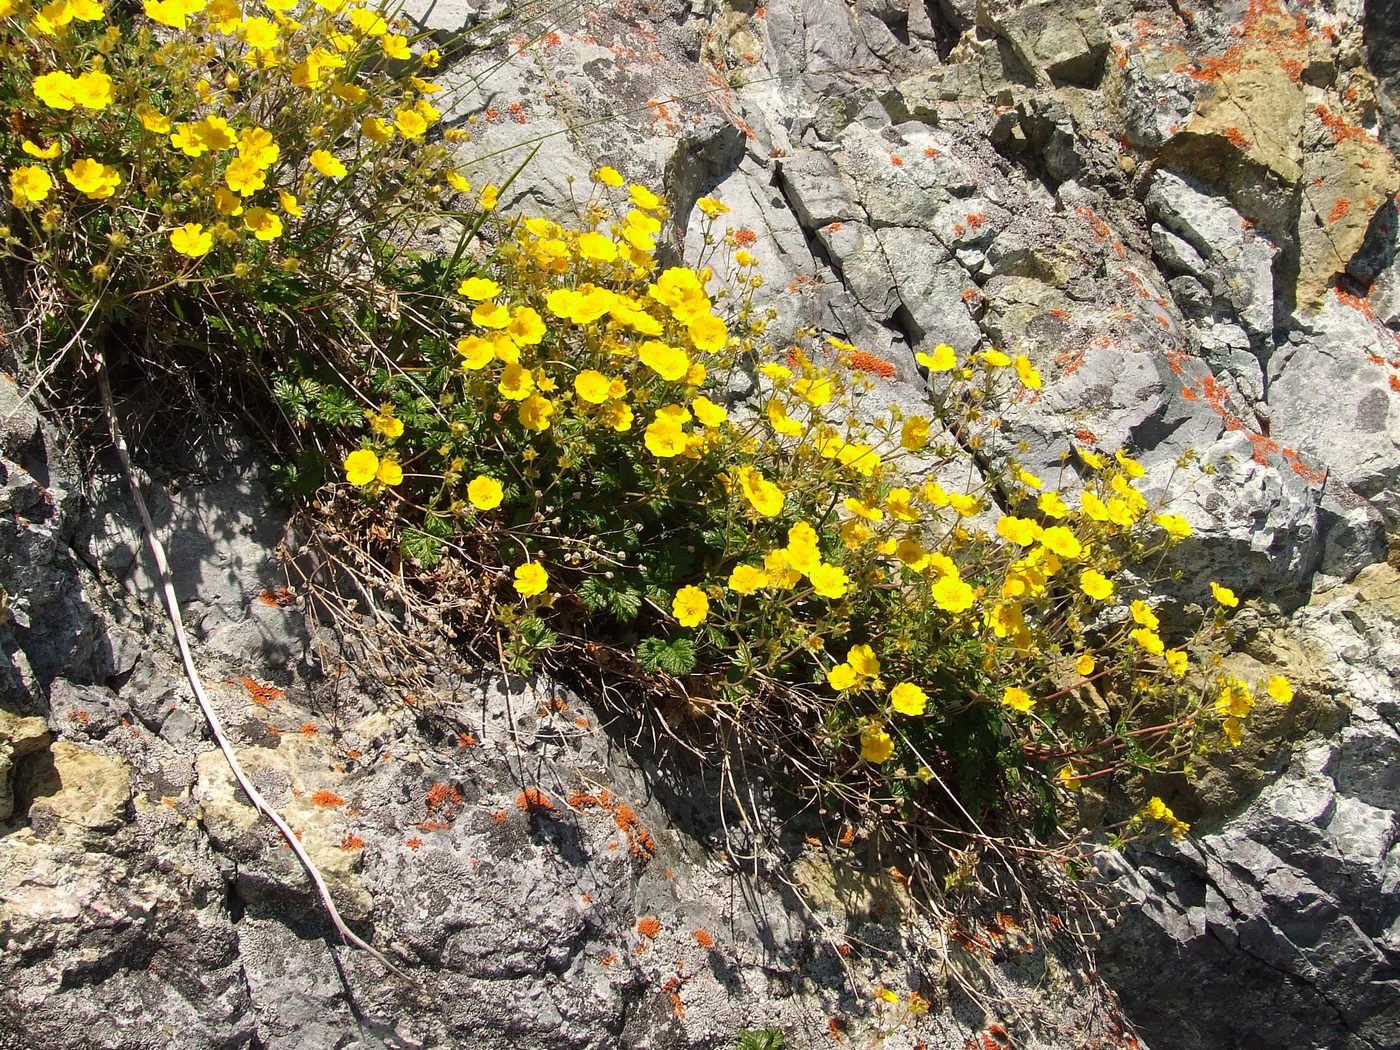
[422, 548]
[676, 657]
[761, 1039]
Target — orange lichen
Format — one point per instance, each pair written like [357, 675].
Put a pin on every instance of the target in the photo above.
[532, 800]
[703, 938]
[745, 238]
[466, 740]
[443, 795]
[863, 361]
[308, 729]
[1237, 138]
[352, 842]
[280, 597]
[414, 842]
[262, 694]
[649, 927]
[327, 799]
[1339, 210]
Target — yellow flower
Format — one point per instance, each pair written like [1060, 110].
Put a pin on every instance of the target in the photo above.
[886, 995]
[245, 176]
[690, 607]
[864, 660]
[608, 177]
[669, 362]
[1158, 810]
[478, 288]
[1061, 541]
[592, 386]
[490, 314]
[781, 574]
[1235, 699]
[490, 197]
[708, 413]
[172, 13]
[763, 495]
[55, 89]
[485, 493]
[711, 207]
[1018, 700]
[526, 326]
[964, 503]
[780, 421]
[48, 152]
[995, 358]
[265, 225]
[379, 130]
[1095, 584]
[395, 46]
[384, 421]
[664, 437]
[290, 204]
[899, 505]
[746, 579]
[1069, 779]
[535, 413]
[410, 123]
[908, 699]
[257, 146]
[1149, 640]
[93, 90]
[92, 178]
[389, 473]
[1231, 728]
[1174, 525]
[842, 677]
[1085, 664]
[829, 581]
[476, 352]
[708, 332]
[863, 510]
[227, 202]
[326, 163]
[875, 744]
[943, 359]
[953, 594]
[29, 185]
[458, 182]
[1051, 505]
[914, 435]
[1093, 507]
[260, 34]
[191, 239]
[1091, 459]
[1280, 689]
[1020, 531]
[597, 247]
[1177, 661]
[643, 197]
[1143, 615]
[531, 579]
[361, 466]
[1029, 375]
[1224, 595]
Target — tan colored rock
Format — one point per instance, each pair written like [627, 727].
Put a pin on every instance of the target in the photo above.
[1344, 186]
[81, 788]
[18, 737]
[295, 777]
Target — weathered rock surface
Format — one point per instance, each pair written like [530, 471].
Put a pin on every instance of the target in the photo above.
[1185, 218]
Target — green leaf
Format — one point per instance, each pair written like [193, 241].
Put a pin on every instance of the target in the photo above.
[676, 657]
[762, 1039]
[422, 548]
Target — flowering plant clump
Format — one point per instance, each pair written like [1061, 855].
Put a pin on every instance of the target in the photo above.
[777, 557]
[199, 154]
[556, 411]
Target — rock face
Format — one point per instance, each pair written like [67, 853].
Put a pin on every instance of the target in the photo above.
[539, 886]
[1187, 220]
